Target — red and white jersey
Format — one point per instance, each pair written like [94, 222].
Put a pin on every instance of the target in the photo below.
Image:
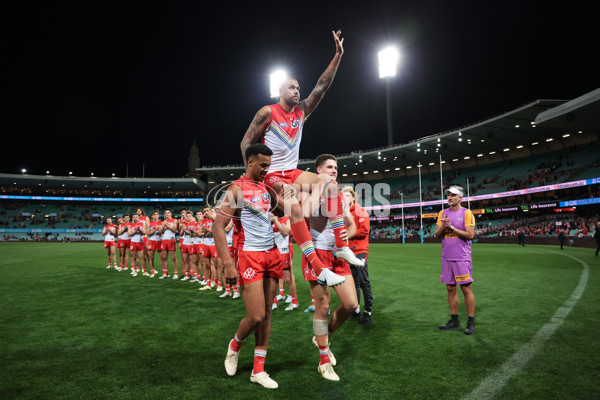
[208, 236]
[197, 228]
[255, 232]
[169, 234]
[283, 136]
[321, 230]
[111, 231]
[143, 219]
[124, 235]
[229, 236]
[282, 242]
[137, 229]
[187, 239]
[155, 230]
[234, 236]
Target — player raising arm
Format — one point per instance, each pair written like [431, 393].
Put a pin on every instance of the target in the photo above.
[280, 126]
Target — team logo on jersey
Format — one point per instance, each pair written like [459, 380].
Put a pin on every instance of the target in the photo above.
[295, 123]
[249, 273]
[284, 124]
[266, 197]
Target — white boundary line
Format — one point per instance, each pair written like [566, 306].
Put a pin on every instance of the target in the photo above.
[492, 384]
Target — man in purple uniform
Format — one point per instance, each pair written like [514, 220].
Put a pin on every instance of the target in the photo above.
[456, 226]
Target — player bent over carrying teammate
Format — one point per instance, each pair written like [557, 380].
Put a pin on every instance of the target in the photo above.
[280, 126]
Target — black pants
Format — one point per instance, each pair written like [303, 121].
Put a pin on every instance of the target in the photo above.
[562, 242]
[362, 283]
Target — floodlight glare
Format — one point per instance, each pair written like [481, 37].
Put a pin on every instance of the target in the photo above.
[277, 79]
[388, 60]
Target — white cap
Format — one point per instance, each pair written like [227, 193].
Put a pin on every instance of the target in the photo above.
[455, 189]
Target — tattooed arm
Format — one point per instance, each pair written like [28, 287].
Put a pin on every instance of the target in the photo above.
[255, 130]
[310, 103]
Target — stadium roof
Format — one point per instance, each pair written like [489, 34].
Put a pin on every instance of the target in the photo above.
[537, 127]
[92, 182]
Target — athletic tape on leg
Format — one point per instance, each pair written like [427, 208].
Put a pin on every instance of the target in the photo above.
[320, 326]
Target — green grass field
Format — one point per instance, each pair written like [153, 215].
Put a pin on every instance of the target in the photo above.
[71, 329]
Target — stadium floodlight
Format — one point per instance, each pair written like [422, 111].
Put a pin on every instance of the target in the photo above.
[276, 79]
[23, 171]
[388, 62]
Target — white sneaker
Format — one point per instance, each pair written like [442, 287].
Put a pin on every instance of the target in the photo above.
[109, 267]
[331, 356]
[207, 287]
[151, 275]
[194, 280]
[289, 299]
[146, 274]
[175, 276]
[231, 360]
[219, 288]
[134, 274]
[265, 380]
[214, 284]
[226, 294]
[310, 308]
[203, 282]
[291, 307]
[274, 306]
[329, 278]
[236, 295]
[328, 373]
[164, 276]
[185, 278]
[280, 297]
[346, 254]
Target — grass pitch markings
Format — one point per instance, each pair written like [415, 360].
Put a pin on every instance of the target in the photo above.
[493, 384]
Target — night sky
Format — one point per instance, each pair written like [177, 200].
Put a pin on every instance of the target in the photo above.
[116, 87]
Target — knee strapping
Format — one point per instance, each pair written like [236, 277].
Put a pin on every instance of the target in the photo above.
[320, 326]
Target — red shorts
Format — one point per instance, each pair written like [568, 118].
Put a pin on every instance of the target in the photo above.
[180, 242]
[123, 243]
[230, 250]
[288, 177]
[154, 245]
[136, 246]
[253, 266]
[210, 251]
[108, 244]
[167, 245]
[200, 249]
[337, 265]
[188, 249]
[286, 259]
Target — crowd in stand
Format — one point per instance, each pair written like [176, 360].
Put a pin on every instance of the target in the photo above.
[540, 226]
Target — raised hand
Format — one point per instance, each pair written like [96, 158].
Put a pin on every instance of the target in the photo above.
[339, 43]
